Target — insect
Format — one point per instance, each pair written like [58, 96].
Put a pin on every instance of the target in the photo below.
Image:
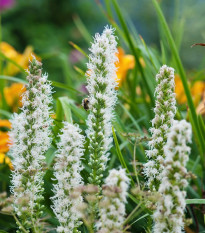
[85, 103]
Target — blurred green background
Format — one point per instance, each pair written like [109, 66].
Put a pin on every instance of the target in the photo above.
[48, 25]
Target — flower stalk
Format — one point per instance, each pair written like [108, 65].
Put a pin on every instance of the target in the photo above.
[112, 205]
[165, 109]
[67, 172]
[101, 86]
[30, 139]
[169, 215]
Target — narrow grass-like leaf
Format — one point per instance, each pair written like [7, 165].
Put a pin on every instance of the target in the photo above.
[64, 86]
[79, 112]
[180, 69]
[201, 126]
[75, 46]
[64, 102]
[195, 167]
[80, 71]
[122, 161]
[132, 214]
[82, 29]
[144, 216]
[132, 118]
[197, 135]
[149, 54]
[13, 62]
[195, 201]
[133, 49]
[50, 155]
[5, 113]
[13, 79]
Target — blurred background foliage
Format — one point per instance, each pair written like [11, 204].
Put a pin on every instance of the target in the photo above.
[49, 25]
[45, 28]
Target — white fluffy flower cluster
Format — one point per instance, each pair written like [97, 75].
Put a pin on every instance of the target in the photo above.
[30, 139]
[112, 206]
[169, 214]
[67, 172]
[101, 85]
[165, 109]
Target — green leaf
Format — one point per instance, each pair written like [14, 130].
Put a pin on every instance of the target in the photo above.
[64, 86]
[5, 113]
[79, 112]
[13, 62]
[201, 126]
[63, 109]
[195, 201]
[122, 161]
[133, 49]
[14, 79]
[144, 216]
[195, 167]
[82, 29]
[50, 155]
[196, 133]
[75, 46]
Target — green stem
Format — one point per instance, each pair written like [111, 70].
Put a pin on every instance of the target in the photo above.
[132, 213]
[19, 224]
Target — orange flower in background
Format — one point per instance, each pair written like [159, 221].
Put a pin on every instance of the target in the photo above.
[201, 107]
[13, 95]
[4, 137]
[197, 90]
[5, 123]
[5, 159]
[4, 143]
[125, 63]
[21, 59]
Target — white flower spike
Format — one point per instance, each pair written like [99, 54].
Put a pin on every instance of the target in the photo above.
[169, 214]
[30, 138]
[165, 109]
[67, 172]
[112, 206]
[101, 86]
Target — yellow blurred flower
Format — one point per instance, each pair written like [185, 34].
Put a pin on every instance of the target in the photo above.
[5, 123]
[21, 59]
[4, 137]
[201, 107]
[5, 159]
[4, 143]
[125, 63]
[13, 95]
[197, 90]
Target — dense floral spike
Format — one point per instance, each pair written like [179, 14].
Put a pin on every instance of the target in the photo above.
[30, 137]
[67, 172]
[170, 207]
[165, 109]
[112, 206]
[101, 77]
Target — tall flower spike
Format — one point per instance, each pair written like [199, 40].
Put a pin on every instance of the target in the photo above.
[101, 85]
[67, 172]
[112, 206]
[30, 138]
[169, 214]
[165, 109]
